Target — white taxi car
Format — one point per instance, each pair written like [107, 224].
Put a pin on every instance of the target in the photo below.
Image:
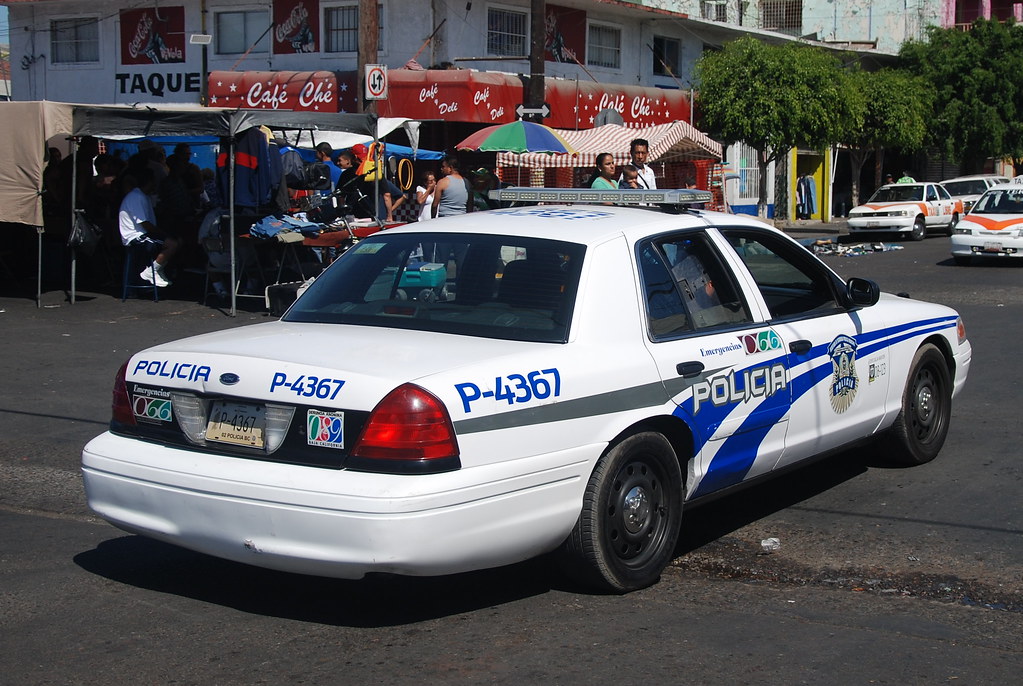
[970, 188]
[913, 208]
[994, 227]
[576, 376]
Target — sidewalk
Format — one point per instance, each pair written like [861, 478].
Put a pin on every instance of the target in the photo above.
[814, 227]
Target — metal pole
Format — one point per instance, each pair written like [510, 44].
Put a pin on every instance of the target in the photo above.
[230, 199]
[204, 86]
[74, 201]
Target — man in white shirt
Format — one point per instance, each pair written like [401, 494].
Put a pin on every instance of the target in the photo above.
[639, 149]
[137, 223]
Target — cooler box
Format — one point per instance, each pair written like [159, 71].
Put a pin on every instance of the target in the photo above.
[424, 275]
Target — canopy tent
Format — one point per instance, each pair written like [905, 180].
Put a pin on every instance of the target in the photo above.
[670, 142]
[21, 182]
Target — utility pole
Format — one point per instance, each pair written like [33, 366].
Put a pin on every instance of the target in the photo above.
[537, 67]
[369, 35]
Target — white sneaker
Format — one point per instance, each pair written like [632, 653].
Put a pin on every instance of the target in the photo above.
[149, 275]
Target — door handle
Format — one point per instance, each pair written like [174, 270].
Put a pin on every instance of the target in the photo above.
[689, 369]
[800, 347]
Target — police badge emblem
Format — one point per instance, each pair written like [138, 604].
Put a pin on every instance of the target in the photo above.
[843, 380]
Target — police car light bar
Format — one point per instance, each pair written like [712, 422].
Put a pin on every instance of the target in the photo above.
[630, 196]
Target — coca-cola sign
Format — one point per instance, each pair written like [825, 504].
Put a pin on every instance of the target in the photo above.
[151, 36]
[296, 26]
[308, 91]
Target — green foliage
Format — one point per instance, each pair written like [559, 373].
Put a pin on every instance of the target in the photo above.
[978, 91]
[774, 97]
[896, 110]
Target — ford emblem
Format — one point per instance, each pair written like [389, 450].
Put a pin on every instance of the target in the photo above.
[229, 379]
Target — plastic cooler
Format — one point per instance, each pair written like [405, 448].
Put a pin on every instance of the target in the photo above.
[424, 275]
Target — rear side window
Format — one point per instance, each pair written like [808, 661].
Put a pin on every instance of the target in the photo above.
[687, 287]
[479, 285]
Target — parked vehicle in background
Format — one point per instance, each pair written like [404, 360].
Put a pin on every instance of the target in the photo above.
[970, 188]
[994, 227]
[907, 208]
[565, 379]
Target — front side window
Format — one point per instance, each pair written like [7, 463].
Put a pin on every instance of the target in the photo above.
[790, 279]
[74, 41]
[341, 28]
[505, 287]
[237, 32]
[687, 287]
[507, 32]
[666, 56]
[604, 46]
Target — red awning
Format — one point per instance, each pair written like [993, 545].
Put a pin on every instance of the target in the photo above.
[576, 104]
[461, 95]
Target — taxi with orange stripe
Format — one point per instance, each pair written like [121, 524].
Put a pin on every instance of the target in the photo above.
[994, 227]
[907, 208]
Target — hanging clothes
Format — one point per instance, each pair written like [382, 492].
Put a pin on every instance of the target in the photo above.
[806, 197]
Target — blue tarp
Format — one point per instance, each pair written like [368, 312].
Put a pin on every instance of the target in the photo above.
[204, 148]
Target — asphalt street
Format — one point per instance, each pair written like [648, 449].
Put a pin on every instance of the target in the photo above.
[884, 575]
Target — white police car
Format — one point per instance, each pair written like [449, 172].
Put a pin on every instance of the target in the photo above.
[994, 227]
[913, 208]
[575, 375]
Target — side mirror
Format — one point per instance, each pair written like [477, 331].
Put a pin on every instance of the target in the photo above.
[862, 292]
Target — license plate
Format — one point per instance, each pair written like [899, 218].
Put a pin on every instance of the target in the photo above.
[992, 247]
[237, 423]
[873, 225]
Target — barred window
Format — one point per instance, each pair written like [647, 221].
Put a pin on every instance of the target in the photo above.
[714, 10]
[341, 28]
[507, 32]
[237, 31]
[604, 46]
[784, 16]
[666, 53]
[74, 40]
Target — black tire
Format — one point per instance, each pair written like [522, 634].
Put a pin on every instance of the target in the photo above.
[952, 224]
[961, 260]
[920, 428]
[919, 231]
[629, 524]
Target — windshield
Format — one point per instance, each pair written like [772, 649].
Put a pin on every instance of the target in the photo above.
[492, 286]
[897, 193]
[971, 187]
[1000, 202]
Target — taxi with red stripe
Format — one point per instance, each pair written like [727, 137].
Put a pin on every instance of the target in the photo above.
[994, 227]
[907, 208]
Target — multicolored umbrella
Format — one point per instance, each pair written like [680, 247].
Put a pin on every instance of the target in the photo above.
[519, 137]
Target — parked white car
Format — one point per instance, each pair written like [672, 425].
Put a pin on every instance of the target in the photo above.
[970, 188]
[910, 208]
[575, 375]
[994, 227]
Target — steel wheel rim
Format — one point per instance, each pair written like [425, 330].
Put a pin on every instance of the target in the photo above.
[926, 411]
[636, 513]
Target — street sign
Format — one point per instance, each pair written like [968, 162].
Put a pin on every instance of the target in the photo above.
[376, 82]
[544, 110]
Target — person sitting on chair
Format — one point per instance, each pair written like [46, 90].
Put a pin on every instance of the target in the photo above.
[137, 223]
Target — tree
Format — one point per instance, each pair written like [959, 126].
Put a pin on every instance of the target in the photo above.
[978, 93]
[896, 108]
[773, 98]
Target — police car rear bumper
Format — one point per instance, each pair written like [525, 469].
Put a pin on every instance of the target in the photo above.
[336, 523]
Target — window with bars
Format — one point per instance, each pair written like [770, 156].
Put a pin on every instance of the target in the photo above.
[74, 41]
[666, 55]
[235, 32]
[783, 16]
[714, 10]
[341, 28]
[507, 32]
[604, 46]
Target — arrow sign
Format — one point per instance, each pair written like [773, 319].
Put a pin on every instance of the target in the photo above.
[543, 111]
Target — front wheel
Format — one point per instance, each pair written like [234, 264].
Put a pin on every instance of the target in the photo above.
[919, 231]
[629, 523]
[919, 430]
[952, 224]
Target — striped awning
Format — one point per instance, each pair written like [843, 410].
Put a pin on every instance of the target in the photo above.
[670, 142]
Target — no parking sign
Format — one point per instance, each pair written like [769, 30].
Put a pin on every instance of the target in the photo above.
[376, 82]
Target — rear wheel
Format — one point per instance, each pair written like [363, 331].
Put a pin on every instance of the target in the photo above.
[919, 229]
[952, 224]
[920, 429]
[629, 523]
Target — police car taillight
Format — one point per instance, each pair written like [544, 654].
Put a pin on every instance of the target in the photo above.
[408, 431]
[121, 411]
